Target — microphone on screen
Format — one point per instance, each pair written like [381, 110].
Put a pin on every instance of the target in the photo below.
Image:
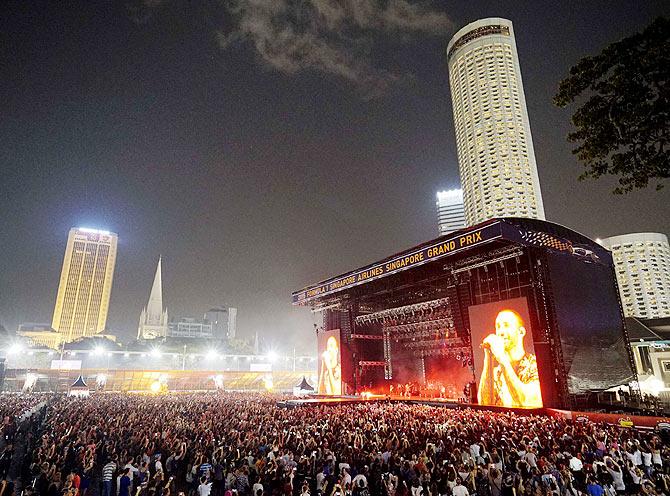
[485, 345]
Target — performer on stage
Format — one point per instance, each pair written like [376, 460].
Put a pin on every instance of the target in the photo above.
[509, 374]
[330, 376]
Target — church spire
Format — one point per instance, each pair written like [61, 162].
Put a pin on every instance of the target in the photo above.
[155, 305]
[153, 320]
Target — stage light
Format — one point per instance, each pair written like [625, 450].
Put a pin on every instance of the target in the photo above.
[212, 354]
[218, 381]
[272, 356]
[155, 387]
[98, 350]
[653, 385]
[126, 355]
[29, 384]
[93, 231]
[15, 349]
[101, 380]
[155, 353]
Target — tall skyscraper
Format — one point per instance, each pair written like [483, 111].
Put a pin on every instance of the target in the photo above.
[642, 263]
[153, 319]
[450, 212]
[85, 284]
[224, 321]
[496, 159]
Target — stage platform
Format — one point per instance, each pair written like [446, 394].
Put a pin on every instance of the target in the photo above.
[318, 400]
[619, 419]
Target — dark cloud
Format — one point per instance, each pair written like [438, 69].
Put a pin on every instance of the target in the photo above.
[334, 37]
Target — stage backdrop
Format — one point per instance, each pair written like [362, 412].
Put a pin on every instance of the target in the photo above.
[330, 364]
[507, 375]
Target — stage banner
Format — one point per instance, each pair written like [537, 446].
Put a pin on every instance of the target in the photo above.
[330, 366]
[440, 248]
[65, 364]
[504, 356]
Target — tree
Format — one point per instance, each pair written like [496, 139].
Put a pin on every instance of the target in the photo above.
[623, 127]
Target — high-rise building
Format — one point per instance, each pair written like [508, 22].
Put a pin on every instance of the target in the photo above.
[496, 159]
[189, 327]
[85, 284]
[153, 319]
[642, 263]
[224, 321]
[450, 212]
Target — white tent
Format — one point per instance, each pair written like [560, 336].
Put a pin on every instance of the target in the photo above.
[303, 389]
[79, 388]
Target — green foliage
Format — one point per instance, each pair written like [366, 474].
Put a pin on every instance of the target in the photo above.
[623, 127]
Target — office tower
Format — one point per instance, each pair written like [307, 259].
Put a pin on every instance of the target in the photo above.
[153, 319]
[450, 212]
[223, 320]
[188, 327]
[232, 323]
[85, 284]
[496, 159]
[642, 263]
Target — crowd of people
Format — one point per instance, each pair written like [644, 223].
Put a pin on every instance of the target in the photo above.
[234, 444]
[14, 405]
[15, 414]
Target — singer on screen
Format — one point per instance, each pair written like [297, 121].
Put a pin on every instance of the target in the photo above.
[330, 376]
[509, 374]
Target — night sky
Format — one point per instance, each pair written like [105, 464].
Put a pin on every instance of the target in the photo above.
[260, 149]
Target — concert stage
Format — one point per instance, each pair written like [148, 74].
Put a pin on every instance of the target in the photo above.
[511, 312]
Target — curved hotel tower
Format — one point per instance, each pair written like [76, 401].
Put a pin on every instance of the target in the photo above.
[642, 263]
[495, 149]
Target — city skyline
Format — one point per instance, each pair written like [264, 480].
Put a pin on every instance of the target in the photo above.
[247, 177]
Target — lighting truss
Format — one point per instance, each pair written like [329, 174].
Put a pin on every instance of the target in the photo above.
[476, 261]
[325, 307]
[461, 353]
[367, 336]
[429, 326]
[416, 310]
[444, 343]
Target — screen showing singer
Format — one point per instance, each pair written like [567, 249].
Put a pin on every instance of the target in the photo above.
[330, 371]
[507, 367]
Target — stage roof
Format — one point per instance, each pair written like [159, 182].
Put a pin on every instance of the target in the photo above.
[512, 230]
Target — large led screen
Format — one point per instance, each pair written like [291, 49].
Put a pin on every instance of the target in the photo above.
[330, 366]
[504, 356]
